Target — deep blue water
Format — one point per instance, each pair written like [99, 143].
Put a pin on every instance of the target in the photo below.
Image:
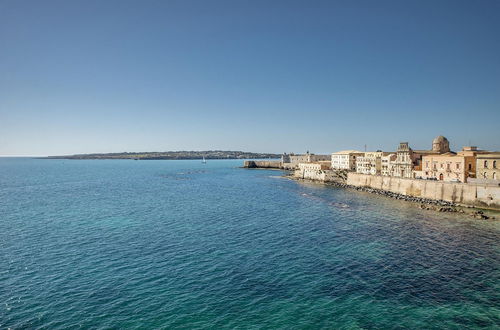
[179, 244]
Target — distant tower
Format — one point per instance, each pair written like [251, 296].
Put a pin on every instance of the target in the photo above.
[441, 145]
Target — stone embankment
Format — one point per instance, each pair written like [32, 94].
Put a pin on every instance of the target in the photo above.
[477, 195]
[423, 203]
[276, 164]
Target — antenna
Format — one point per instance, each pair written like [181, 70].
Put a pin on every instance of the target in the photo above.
[365, 147]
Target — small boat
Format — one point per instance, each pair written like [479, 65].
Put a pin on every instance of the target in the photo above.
[204, 161]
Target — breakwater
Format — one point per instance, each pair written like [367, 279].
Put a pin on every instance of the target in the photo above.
[276, 164]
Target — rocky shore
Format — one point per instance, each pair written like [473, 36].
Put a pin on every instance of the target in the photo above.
[423, 203]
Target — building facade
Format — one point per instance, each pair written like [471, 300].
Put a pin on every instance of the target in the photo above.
[488, 166]
[370, 162]
[345, 160]
[402, 166]
[386, 162]
[447, 167]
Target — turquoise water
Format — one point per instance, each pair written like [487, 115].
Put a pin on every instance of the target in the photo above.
[179, 244]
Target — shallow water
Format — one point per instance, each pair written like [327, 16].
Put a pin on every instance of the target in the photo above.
[179, 244]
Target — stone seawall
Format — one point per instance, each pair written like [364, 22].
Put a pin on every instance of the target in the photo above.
[262, 164]
[319, 175]
[461, 193]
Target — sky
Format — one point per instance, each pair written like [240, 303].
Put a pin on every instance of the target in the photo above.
[263, 76]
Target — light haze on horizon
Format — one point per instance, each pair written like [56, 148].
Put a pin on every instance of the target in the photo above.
[262, 76]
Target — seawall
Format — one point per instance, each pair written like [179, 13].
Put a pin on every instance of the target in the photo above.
[479, 195]
[319, 175]
[262, 164]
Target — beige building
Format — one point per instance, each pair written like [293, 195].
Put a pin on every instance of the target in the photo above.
[448, 167]
[345, 160]
[488, 167]
[370, 162]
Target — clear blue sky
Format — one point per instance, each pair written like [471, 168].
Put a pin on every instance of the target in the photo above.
[271, 76]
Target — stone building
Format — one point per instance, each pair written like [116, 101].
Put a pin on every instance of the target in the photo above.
[440, 145]
[292, 161]
[345, 160]
[488, 167]
[405, 163]
[370, 162]
[447, 167]
[402, 166]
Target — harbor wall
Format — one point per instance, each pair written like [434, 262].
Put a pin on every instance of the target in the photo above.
[318, 175]
[262, 164]
[480, 195]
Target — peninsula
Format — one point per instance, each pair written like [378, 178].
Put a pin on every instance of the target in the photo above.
[173, 155]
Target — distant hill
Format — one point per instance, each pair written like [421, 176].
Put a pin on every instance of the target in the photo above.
[211, 154]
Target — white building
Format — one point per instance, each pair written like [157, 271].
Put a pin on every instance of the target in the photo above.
[386, 162]
[345, 160]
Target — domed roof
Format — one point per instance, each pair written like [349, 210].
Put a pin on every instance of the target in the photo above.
[439, 139]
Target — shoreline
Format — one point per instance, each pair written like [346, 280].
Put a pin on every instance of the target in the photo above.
[421, 203]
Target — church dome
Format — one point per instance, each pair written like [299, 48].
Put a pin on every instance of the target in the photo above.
[440, 144]
[440, 139]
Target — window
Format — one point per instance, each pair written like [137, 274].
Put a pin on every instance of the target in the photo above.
[442, 165]
[485, 176]
[448, 166]
[494, 164]
[458, 166]
[485, 164]
[470, 167]
[494, 175]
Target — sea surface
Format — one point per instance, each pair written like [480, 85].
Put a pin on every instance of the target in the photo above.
[179, 244]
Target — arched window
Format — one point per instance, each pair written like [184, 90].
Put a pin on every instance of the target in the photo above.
[494, 164]
[441, 177]
[494, 175]
[485, 164]
[485, 176]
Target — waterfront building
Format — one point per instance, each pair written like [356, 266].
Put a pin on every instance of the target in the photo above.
[405, 163]
[402, 166]
[317, 166]
[292, 161]
[370, 162]
[488, 167]
[449, 167]
[386, 162]
[345, 160]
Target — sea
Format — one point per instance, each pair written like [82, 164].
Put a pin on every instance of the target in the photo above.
[164, 244]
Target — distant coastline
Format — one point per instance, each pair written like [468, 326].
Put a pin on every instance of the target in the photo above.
[172, 155]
